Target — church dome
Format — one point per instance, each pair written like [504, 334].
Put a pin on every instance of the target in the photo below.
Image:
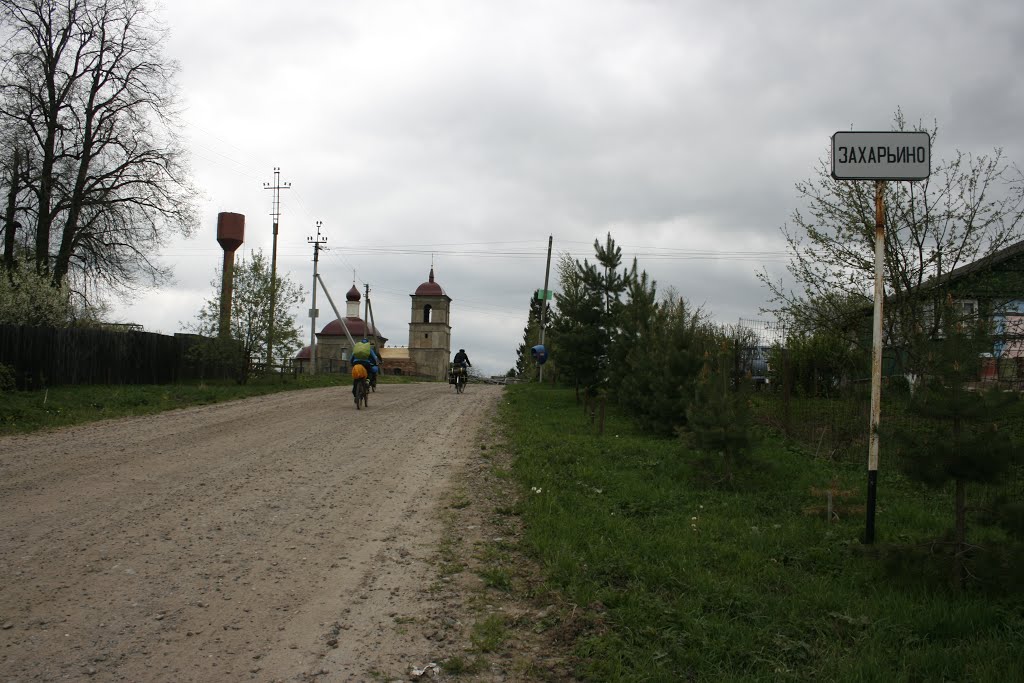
[303, 354]
[430, 288]
[356, 327]
[353, 294]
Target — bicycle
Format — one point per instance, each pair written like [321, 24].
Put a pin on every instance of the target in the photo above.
[360, 392]
[458, 379]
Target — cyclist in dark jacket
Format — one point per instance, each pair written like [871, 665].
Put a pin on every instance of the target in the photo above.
[461, 359]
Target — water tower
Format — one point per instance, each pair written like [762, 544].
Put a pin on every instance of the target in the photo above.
[230, 235]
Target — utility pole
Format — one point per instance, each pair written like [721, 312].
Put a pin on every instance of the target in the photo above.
[275, 213]
[316, 242]
[544, 304]
[366, 308]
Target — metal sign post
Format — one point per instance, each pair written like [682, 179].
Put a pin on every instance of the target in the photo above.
[879, 156]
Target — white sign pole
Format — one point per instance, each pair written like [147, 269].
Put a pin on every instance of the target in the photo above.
[876, 360]
[879, 156]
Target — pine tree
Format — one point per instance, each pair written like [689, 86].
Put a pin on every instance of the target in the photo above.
[576, 336]
[631, 353]
[679, 337]
[957, 440]
[718, 419]
[526, 366]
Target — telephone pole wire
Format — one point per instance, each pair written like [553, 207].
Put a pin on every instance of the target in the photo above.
[275, 213]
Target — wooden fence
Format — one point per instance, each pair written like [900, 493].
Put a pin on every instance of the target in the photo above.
[51, 356]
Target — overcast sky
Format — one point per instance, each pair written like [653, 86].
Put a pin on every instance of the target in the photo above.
[466, 132]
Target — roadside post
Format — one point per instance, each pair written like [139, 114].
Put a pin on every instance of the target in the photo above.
[317, 243]
[544, 295]
[879, 156]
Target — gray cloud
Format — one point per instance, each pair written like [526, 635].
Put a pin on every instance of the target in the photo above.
[671, 124]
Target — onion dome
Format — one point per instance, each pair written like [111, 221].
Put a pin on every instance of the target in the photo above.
[430, 288]
[353, 294]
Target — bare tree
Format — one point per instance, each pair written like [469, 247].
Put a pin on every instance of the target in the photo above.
[971, 206]
[88, 83]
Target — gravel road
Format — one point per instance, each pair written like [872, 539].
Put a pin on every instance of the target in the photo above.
[277, 538]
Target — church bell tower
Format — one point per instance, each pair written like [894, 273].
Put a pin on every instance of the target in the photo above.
[430, 332]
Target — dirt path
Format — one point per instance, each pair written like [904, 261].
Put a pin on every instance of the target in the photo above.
[278, 538]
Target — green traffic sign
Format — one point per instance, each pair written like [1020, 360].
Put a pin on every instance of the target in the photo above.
[544, 294]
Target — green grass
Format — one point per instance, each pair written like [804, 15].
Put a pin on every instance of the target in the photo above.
[28, 411]
[489, 633]
[675, 580]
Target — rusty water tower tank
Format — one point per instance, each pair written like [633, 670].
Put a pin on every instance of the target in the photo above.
[230, 235]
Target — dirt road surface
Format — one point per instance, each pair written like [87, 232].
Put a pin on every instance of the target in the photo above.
[278, 538]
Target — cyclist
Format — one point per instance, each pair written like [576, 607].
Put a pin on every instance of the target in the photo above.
[364, 354]
[461, 360]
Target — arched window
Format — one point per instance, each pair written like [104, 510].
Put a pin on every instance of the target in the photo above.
[426, 313]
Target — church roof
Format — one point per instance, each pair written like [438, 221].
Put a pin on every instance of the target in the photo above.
[356, 327]
[303, 354]
[430, 288]
[353, 294]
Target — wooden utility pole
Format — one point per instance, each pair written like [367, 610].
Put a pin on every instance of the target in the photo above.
[275, 213]
[313, 312]
[544, 304]
[366, 310]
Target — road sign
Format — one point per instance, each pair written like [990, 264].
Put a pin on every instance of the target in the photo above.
[879, 155]
[539, 353]
[544, 294]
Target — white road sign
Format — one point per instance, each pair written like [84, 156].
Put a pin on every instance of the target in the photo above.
[881, 155]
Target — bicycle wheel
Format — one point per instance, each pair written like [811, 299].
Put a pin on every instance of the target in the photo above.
[460, 384]
[359, 392]
[366, 393]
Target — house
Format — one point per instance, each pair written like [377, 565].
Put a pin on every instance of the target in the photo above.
[988, 289]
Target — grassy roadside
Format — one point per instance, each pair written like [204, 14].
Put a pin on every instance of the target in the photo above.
[671, 579]
[507, 623]
[29, 411]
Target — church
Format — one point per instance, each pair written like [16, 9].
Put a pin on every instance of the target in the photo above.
[430, 334]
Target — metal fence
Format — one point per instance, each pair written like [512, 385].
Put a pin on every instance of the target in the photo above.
[50, 356]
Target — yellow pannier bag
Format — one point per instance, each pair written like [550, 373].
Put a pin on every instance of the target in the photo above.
[358, 372]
